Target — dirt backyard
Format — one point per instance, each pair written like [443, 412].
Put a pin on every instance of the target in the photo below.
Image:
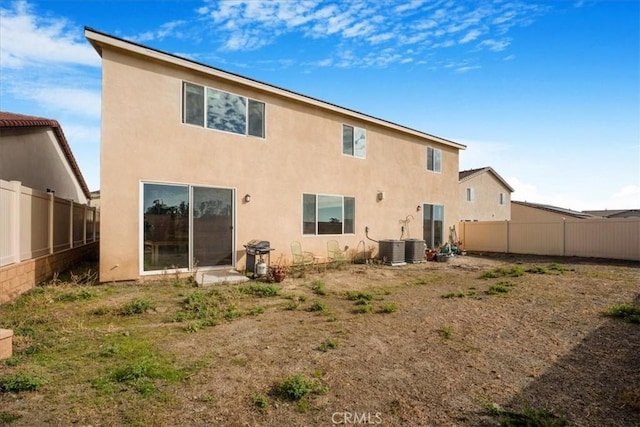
[478, 341]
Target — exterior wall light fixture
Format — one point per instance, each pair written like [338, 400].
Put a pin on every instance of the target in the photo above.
[247, 198]
[380, 196]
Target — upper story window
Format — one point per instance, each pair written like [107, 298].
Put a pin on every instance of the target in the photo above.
[354, 141]
[434, 159]
[471, 194]
[502, 199]
[220, 110]
[326, 214]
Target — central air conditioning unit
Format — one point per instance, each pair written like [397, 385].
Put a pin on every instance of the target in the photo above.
[391, 252]
[414, 250]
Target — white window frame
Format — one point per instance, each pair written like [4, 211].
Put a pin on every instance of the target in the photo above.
[471, 194]
[436, 157]
[355, 131]
[204, 111]
[502, 200]
[316, 233]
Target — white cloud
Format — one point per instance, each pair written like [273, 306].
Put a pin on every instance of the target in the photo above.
[494, 45]
[360, 25]
[28, 39]
[627, 197]
[470, 36]
[467, 68]
[168, 29]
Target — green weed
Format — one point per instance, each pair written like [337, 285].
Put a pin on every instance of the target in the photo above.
[515, 271]
[527, 417]
[318, 306]
[390, 307]
[318, 287]
[628, 312]
[260, 400]
[296, 387]
[363, 307]
[446, 332]
[20, 381]
[328, 344]
[136, 306]
[261, 290]
[358, 296]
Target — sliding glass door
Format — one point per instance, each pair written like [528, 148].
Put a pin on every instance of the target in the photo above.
[212, 226]
[186, 227]
[433, 225]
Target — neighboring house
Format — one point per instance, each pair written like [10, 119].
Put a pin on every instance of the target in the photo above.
[95, 199]
[485, 195]
[197, 162]
[615, 213]
[536, 212]
[34, 151]
[46, 225]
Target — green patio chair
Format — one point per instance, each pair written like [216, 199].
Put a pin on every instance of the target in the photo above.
[300, 257]
[335, 254]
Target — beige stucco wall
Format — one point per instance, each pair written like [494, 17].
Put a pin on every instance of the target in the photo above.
[143, 139]
[486, 205]
[32, 156]
[522, 213]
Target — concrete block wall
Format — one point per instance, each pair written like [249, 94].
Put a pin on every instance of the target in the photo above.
[15, 279]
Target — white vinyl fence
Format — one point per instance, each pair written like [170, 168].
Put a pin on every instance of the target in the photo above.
[34, 223]
[613, 238]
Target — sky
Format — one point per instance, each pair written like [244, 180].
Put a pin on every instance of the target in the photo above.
[547, 93]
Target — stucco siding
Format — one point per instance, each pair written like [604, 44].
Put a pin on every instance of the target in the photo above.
[485, 205]
[144, 140]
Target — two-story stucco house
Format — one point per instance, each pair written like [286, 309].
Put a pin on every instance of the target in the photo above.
[484, 196]
[196, 162]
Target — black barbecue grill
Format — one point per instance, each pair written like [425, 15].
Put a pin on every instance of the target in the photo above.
[256, 250]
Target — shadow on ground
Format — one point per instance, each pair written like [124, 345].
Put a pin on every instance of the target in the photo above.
[597, 384]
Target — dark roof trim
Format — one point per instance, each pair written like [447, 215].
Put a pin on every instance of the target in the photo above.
[142, 49]
[555, 209]
[13, 120]
[468, 174]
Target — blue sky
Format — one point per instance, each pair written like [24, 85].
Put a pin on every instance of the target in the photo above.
[547, 93]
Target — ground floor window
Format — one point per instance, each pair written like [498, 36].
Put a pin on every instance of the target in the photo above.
[433, 225]
[327, 214]
[186, 227]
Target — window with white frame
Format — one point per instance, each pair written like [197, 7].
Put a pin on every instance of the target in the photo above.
[471, 194]
[354, 141]
[327, 214]
[434, 159]
[502, 199]
[224, 111]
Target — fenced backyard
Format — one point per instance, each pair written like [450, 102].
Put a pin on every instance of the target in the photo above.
[594, 238]
[40, 234]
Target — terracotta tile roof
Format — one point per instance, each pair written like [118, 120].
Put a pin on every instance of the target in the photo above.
[468, 174]
[13, 120]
